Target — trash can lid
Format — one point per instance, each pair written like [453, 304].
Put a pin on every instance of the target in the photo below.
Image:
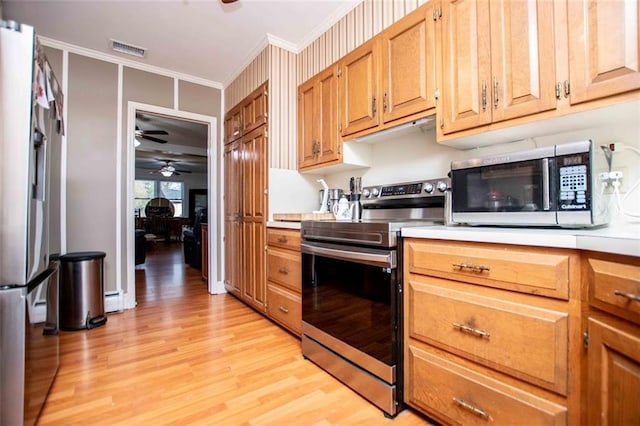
[82, 255]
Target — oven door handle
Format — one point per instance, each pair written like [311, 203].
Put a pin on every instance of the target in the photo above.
[386, 259]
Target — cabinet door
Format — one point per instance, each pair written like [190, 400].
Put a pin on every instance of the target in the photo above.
[233, 124]
[408, 65]
[307, 125]
[614, 373]
[358, 80]
[232, 217]
[254, 285]
[522, 58]
[326, 102]
[466, 65]
[604, 41]
[254, 109]
[254, 175]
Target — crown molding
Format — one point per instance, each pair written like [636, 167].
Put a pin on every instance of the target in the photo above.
[72, 48]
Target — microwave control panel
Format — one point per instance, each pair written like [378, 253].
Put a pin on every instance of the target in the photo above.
[573, 182]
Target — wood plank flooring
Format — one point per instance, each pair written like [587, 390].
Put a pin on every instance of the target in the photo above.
[186, 357]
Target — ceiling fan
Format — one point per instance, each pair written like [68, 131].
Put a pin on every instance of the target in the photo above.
[146, 134]
[169, 170]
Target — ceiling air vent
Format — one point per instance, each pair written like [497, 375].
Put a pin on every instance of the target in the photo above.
[129, 49]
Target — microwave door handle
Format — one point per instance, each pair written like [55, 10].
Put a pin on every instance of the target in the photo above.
[546, 199]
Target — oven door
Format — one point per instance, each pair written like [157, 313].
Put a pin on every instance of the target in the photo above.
[350, 304]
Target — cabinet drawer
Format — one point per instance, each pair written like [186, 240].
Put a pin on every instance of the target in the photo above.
[614, 286]
[459, 396]
[525, 341]
[284, 307]
[285, 238]
[543, 272]
[284, 267]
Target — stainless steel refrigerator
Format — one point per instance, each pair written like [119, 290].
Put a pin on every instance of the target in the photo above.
[30, 126]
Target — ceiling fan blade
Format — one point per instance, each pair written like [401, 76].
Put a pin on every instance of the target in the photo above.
[152, 139]
[155, 132]
[228, 1]
[183, 171]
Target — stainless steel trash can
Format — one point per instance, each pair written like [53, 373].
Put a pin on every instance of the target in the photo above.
[81, 286]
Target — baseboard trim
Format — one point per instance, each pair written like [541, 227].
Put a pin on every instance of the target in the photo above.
[113, 302]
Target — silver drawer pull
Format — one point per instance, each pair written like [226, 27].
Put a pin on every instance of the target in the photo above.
[472, 408]
[476, 268]
[283, 309]
[630, 296]
[471, 330]
[282, 239]
[283, 270]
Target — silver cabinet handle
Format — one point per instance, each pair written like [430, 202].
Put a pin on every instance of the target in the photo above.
[477, 268]
[471, 330]
[630, 296]
[283, 270]
[472, 408]
[484, 95]
[283, 309]
[282, 239]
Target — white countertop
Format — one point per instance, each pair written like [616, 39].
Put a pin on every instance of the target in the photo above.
[622, 240]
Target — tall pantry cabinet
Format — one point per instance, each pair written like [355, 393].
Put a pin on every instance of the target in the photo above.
[245, 199]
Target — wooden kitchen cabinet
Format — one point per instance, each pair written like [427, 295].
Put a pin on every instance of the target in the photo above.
[604, 42]
[358, 82]
[254, 109]
[254, 217]
[318, 140]
[245, 209]
[233, 217]
[284, 280]
[408, 65]
[498, 62]
[613, 339]
[492, 332]
[233, 125]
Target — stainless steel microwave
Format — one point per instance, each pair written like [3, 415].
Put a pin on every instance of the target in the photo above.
[548, 186]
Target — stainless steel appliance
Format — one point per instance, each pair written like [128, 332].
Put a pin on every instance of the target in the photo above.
[549, 186]
[30, 117]
[351, 288]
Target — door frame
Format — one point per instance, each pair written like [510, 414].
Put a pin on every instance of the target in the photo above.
[213, 286]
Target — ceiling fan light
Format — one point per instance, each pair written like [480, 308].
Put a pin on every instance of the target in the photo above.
[136, 142]
[166, 173]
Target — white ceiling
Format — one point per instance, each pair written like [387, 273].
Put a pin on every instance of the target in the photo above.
[203, 38]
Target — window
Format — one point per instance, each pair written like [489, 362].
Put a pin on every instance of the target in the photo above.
[145, 190]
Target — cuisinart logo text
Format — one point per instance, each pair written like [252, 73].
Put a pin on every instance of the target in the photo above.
[573, 206]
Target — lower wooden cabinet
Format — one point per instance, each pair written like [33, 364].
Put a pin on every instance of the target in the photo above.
[613, 336]
[455, 394]
[284, 282]
[493, 345]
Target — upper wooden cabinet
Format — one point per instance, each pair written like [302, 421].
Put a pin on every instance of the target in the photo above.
[497, 61]
[318, 141]
[604, 42]
[408, 65]
[233, 124]
[254, 109]
[248, 115]
[358, 88]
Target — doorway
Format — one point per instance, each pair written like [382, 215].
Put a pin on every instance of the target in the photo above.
[163, 154]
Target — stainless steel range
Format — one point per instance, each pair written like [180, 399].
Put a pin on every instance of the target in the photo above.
[352, 287]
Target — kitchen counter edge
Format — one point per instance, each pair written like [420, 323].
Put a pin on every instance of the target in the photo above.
[284, 225]
[608, 240]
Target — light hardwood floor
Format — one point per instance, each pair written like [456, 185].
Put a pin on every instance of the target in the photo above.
[186, 357]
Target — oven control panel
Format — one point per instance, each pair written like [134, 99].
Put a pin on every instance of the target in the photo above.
[425, 188]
